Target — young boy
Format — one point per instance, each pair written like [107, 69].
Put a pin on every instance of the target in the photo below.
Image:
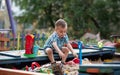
[56, 42]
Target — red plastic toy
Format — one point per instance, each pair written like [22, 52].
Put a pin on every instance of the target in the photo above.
[34, 64]
[29, 44]
[76, 60]
[73, 44]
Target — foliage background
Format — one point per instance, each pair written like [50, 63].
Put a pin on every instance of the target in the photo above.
[81, 15]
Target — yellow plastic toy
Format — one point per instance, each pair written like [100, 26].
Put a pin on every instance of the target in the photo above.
[100, 44]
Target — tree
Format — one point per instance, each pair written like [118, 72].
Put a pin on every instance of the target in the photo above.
[81, 15]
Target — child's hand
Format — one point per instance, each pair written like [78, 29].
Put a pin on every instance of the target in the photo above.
[75, 55]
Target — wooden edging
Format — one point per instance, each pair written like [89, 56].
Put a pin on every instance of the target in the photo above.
[4, 71]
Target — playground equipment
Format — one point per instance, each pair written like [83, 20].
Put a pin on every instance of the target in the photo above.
[12, 23]
[12, 58]
[100, 69]
[6, 19]
[4, 41]
[112, 68]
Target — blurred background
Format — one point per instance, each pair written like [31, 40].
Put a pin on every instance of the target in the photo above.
[98, 17]
[81, 15]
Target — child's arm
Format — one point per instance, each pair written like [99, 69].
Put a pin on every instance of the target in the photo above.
[57, 49]
[71, 49]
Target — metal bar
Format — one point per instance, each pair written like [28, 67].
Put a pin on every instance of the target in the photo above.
[12, 22]
[11, 17]
[80, 51]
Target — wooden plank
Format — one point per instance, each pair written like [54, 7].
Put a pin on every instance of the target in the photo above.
[4, 39]
[3, 42]
[4, 49]
[4, 71]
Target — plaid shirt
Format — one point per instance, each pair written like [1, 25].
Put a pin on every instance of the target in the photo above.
[55, 38]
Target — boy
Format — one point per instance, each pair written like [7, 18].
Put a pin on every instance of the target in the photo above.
[56, 42]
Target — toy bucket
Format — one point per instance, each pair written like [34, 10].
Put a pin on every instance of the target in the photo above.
[35, 49]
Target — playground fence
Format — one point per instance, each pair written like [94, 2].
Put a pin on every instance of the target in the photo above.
[7, 42]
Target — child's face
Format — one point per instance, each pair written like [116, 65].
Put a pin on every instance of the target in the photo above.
[61, 31]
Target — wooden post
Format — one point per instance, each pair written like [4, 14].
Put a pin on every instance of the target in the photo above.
[8, 43]
[23, 40]
[3, 42]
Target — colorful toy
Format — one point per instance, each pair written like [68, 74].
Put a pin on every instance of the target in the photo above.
[45, 70]
[33, 67]
[29, 44]
[35, 49]
[100, 44]
[76, 60]
[26, 68]
[74, 44]
[34, 64]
